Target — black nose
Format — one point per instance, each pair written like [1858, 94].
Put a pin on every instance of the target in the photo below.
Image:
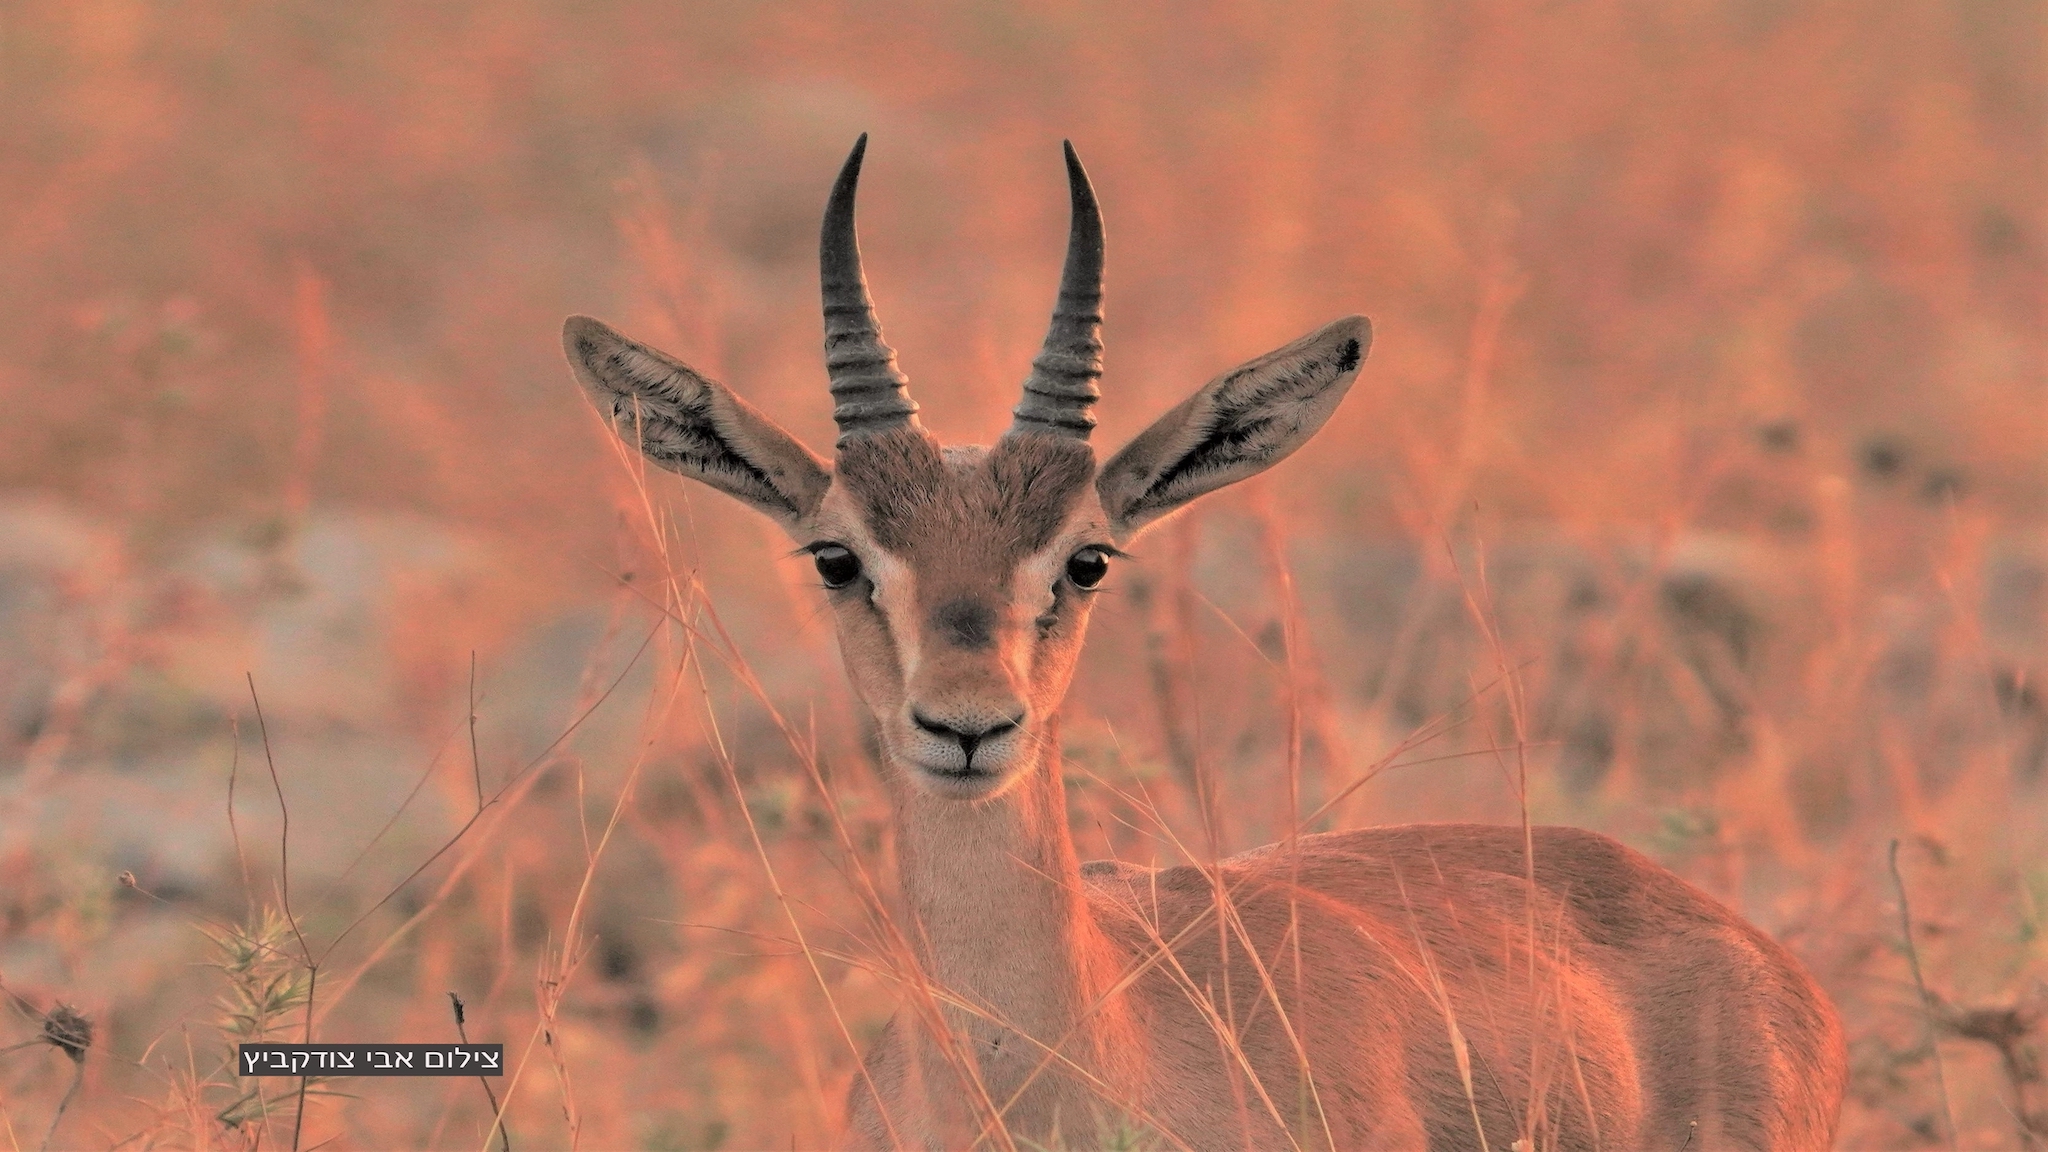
[969, 741]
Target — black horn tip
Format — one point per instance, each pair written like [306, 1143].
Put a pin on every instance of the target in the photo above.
[1077, 176]
[849, 173]
[838, 247]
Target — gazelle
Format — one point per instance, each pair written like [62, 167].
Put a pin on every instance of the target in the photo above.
[1398, 987]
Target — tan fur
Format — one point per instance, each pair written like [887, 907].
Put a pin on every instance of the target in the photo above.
[1326, 988]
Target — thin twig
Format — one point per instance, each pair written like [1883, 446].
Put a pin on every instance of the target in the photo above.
[77, 1079]
[497, 1116]
[284, 812]
[503, 790]
[206, 924]
[70, 1032]
[234, 829]
[284, 873]
[404, 806]
[1926, 998]
[312, 986]
[476, 764]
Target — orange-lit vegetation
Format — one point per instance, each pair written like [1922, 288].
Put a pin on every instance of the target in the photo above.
[1708, 382]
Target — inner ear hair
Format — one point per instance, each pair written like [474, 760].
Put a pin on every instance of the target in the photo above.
[693, 425]
[1234, 427]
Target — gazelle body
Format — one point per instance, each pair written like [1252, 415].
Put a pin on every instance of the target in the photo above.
[1401, 987]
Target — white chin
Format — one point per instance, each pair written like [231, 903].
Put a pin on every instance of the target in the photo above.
[958, 783]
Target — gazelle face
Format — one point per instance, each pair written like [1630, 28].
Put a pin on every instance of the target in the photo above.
[961, 578]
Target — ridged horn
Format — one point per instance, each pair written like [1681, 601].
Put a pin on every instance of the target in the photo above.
[1062, 386]
[869, 394]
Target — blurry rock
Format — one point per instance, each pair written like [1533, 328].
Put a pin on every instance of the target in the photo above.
[54, 563]
[329, 616]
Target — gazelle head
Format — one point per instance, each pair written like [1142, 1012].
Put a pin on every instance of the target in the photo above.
[961, 577]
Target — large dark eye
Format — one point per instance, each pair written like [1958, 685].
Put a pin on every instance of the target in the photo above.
[836, 566]
[1087, 567]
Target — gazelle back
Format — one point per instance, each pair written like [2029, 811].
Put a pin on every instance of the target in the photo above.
[1448, 986]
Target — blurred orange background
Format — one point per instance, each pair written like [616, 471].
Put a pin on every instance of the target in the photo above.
[1708, 382]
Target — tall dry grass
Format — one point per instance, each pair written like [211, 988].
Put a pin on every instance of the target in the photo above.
[1707, 402]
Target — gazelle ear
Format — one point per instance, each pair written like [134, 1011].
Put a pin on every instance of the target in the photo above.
[1238, 425]
[694, 425]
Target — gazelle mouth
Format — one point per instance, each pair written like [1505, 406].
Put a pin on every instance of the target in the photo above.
[971, 772]
[960, 783]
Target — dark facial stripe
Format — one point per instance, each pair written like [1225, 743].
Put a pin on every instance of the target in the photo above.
[968, 624]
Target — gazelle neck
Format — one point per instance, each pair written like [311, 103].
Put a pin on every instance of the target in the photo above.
[999, 917]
